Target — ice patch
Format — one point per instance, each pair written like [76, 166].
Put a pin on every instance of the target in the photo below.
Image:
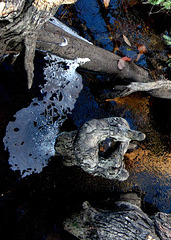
[31, 137]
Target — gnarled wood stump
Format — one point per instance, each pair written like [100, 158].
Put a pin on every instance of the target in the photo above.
[82, 147]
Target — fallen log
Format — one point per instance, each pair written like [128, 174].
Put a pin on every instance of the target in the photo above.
[53, 39]
[51, 36]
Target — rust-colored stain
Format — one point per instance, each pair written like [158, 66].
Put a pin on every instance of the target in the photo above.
[150, 164]
[136, 104]
[151, 156]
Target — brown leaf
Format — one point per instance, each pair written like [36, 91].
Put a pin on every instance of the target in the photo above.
[115, 49]
[126, 40]
[106, 3]
[117, 45]
[121, 64]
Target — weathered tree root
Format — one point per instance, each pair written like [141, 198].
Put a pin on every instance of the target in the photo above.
[21, 20]
[81, 147]
[126, 222]
[162, 86]
[30, 46]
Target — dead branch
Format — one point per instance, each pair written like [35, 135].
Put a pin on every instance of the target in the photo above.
[162, 86]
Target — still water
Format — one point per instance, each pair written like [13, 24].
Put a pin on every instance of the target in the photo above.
[150, 164]
[35, 206]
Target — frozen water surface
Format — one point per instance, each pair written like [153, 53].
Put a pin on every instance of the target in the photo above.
[30, 138]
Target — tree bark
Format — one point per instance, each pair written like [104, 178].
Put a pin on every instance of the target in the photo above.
[49, 39]
[127, 222]
[82, 147]
[20, 22]
[101, 60]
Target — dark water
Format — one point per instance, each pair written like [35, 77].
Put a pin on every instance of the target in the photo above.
[150, 165]
[36, 206]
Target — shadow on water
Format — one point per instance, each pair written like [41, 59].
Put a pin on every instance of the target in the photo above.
[36, 206]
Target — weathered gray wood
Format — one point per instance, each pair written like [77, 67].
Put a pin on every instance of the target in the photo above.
[20, 22]
[81, 148]
[26, 18]
[162, 223]
[161, 88]
[126, 222]
[49, 39]
[101, 60]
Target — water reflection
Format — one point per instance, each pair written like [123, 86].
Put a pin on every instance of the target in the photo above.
[106, 27]
[151, 173]
[150, 164]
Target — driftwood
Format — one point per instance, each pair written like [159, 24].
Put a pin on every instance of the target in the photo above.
[82, 147]
[161, 89]
[25, 21]
[136, 87]
[127, 222]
